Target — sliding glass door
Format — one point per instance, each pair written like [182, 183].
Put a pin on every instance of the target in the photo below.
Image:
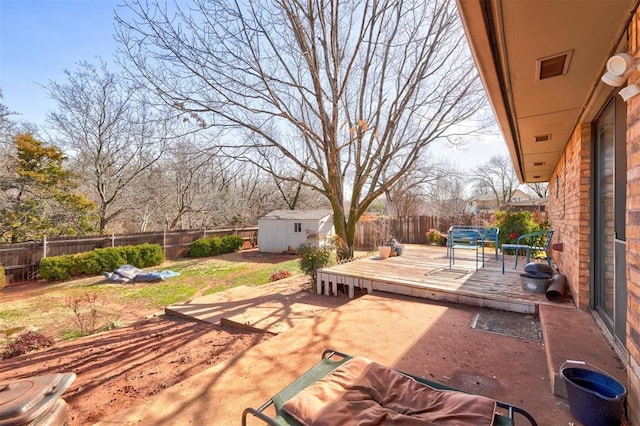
[610, 170]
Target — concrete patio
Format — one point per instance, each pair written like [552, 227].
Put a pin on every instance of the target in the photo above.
[434, 339]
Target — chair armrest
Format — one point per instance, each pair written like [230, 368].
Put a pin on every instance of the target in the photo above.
[532, 234]
[491, 235]
[464, 236]
[547, 243]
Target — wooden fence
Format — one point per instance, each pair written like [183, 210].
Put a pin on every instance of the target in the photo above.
[410, 230]
[20, 261]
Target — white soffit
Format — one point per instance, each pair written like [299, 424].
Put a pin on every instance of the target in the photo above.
[524, 32]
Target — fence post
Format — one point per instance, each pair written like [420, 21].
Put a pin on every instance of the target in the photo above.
[113, 239]
[44, 246]
[164, 243]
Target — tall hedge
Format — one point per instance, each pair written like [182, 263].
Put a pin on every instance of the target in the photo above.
[214, 246]
[99, 260]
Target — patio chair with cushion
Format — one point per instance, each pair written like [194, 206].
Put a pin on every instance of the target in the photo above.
[528, 243]
[343, 389]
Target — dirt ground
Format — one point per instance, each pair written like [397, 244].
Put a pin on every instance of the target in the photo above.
[124, 366]
[121, 367]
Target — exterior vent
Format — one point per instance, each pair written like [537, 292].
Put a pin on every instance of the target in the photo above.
[542, 138]
[538, 163]
[553, 66]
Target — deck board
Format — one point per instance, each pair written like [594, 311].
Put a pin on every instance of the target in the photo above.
[423, 271]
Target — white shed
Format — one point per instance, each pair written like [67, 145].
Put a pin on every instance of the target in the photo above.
[283, 229]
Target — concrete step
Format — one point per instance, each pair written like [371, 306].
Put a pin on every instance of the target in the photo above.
[274, 307]
[572, 334]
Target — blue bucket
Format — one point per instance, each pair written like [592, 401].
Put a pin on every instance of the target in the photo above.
[595, 399]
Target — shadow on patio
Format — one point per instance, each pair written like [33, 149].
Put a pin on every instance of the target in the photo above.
[436, 340]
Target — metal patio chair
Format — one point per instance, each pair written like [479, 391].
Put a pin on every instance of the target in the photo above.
[521, 244]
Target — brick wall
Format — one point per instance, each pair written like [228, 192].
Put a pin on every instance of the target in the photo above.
[633, 254]
[633, 234]
[569, 213]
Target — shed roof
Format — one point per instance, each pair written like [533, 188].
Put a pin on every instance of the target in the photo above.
[298, 214]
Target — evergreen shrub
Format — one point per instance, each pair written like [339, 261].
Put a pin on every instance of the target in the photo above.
[436, 238]
[514, 224]
[214, 246]
[99, 260]
[231, 243]
[314, 257]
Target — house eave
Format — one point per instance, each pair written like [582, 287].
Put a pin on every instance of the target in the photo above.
[509, 39]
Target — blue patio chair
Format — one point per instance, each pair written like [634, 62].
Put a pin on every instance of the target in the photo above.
[521, 244]
[467, 239]
[490, 236]
[457, 228]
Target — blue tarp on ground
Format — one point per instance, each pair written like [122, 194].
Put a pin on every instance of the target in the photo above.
[129, 273]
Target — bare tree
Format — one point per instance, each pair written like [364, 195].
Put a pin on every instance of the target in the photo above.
[145, 200]
[407, 197]
[496, 177]
[447, 198]
[109, 132]
[405, 202]
[7, 125]
[350, 92]
[291, 182]
[540, 189]
[7, 131]
[194, 188]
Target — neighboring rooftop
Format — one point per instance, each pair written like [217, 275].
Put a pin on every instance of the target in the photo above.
[298, 214]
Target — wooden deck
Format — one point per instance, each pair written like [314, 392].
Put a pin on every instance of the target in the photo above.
[423, 271]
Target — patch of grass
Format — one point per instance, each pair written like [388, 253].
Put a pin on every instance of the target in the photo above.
[262, 276]
[163, 294]
[224, 274]
[112, 325]
[36, 312]
[210, 267]
[71, 334]
[48, 311]
[253, 276]
[215, 289]
[14, 314]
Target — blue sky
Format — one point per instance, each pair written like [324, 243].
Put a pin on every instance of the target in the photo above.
[41, 38]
